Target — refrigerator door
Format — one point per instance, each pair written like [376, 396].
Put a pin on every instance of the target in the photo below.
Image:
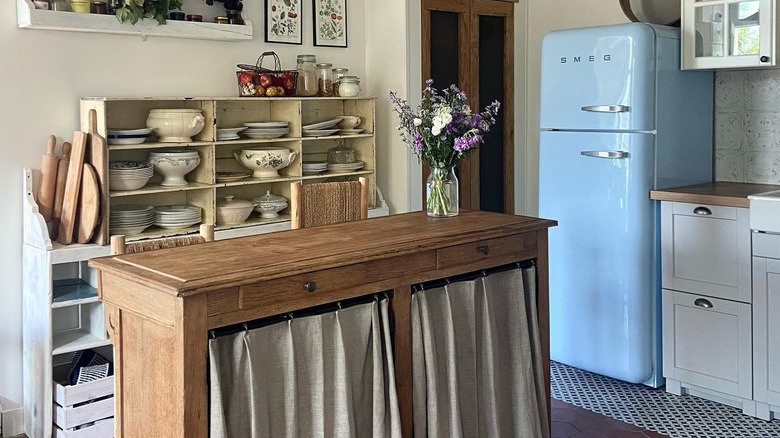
[600, 78]
[602, 275]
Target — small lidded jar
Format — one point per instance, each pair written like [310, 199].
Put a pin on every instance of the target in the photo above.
[324, 79]
[338, 73]
[349, 86]
[81, 6]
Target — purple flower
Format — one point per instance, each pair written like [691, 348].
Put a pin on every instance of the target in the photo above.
[418, 141]
[466, 142]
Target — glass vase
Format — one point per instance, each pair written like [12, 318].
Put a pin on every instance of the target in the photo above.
[441, 192]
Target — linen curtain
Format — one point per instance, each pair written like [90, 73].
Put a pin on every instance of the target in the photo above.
[328, 375]
[477, 365]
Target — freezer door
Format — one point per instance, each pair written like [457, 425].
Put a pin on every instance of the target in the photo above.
[602, 274]
[600, 78]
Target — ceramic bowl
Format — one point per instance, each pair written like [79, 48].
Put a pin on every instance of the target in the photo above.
[127, 183]
[173, 167]
[349, 122]
[269, 205]
[231, 211]
[175, 125]
[265, 162]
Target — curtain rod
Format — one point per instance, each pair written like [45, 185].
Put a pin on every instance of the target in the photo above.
[301, 313]
[470, 276]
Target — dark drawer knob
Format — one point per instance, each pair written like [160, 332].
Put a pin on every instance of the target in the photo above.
[484, 249]
[764, 58]
[701, 302]
[310, 286]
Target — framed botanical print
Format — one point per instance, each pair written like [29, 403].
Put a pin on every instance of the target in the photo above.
[330, 23]
[283, 21]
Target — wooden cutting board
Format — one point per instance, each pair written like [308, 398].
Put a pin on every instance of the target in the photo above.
[98, 158]
[59, 191]
[72, 185]
[89, 204]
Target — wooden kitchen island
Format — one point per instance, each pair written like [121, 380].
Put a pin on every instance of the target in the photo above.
[162, 304]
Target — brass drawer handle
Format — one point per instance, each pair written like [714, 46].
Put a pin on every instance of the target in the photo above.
[484, 249]
[310, 286]
[701, 302]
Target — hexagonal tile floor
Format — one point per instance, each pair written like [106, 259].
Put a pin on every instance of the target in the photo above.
[653, 410]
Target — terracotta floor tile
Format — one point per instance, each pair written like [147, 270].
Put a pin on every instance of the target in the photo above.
[569, 421]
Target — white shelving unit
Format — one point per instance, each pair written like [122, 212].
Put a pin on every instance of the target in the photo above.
[30, 18]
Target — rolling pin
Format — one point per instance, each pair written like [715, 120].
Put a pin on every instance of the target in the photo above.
[48, 179]
[59, 191]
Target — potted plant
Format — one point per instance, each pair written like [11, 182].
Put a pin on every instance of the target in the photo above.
[134, 10]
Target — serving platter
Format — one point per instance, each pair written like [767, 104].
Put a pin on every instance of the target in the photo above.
[323, 125]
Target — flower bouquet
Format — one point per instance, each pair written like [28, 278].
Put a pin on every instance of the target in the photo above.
[439, 131]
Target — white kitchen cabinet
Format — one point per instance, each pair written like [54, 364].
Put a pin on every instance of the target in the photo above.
[706, 250]
[62, 315]
[729, 34]
[766, 324]
[706, 302]
[707, 343]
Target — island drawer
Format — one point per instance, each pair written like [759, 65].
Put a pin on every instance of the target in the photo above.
[515, 246]
[302, 290]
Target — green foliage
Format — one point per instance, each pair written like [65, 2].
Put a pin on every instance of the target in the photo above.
[134, 10]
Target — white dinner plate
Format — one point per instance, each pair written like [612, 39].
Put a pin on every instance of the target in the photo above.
[269, 124]
[323, 125]
[318, 132]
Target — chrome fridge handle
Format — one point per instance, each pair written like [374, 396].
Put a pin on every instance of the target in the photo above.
[605, 154]
[606, 108]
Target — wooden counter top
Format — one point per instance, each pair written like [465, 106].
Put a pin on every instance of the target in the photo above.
[727, 194]
[195, 269]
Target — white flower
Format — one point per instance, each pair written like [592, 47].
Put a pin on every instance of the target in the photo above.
[446, 118]
[436, 130]
[417, 121]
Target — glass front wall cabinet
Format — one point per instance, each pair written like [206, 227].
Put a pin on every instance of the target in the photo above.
[728, 34]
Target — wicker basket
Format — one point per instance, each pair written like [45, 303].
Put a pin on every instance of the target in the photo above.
[256, 81]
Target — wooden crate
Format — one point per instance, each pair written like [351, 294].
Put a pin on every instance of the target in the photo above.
[101, 429]
[72, 408]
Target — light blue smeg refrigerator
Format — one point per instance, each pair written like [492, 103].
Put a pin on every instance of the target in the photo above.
[617, 119]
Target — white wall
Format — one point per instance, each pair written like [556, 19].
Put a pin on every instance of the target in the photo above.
[45, 73]
[544, 16]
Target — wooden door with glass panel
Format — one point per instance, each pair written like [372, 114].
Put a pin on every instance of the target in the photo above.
[469, 43]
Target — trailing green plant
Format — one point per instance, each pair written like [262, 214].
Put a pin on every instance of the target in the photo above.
[134, 10]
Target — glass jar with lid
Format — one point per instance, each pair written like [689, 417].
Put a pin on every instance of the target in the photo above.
[59, 5]
[338, 73]
[324, 79]
[306, 84]
[349, 86]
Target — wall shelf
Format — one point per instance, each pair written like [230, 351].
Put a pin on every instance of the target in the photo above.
[30, 18]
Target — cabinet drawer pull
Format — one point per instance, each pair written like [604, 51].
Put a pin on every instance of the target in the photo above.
[704, 211]
[764, 58]
[484, 249]
[701, 302]
[310, 286]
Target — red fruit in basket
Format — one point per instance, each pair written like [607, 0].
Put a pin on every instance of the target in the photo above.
[245, 78]
[288, 83]
[267, 80]
[286, 75]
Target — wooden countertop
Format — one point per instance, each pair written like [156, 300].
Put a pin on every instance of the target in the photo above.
[727, 194]
[199, 268]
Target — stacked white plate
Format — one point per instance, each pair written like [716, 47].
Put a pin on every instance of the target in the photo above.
[347, 167]
[130, 220]
[314, 167]
[128, 136]
[128, 175]
[177, 216]
[229, 133]
[265, 130]
[321, 129]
